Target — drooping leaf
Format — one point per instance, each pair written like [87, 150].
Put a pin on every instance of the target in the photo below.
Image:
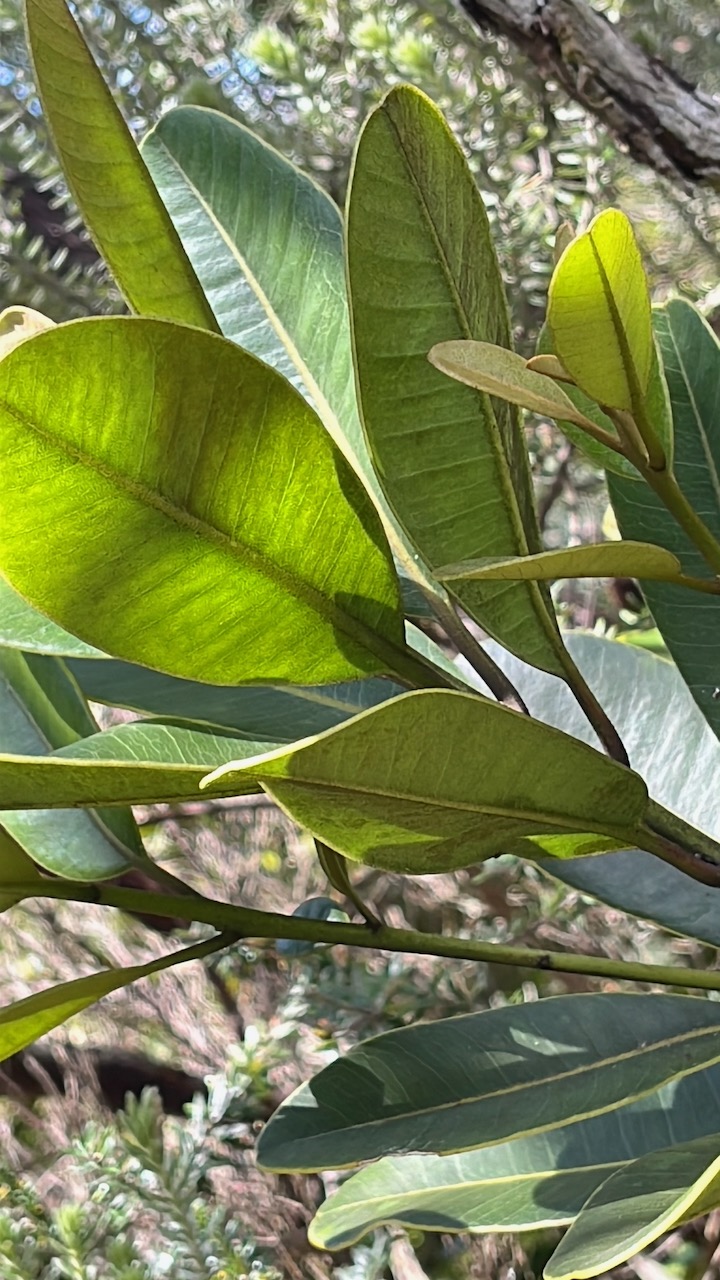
[647, 699]
[605, 559]
[506, 1073]
[599, 313]
[373, 791]
[182, 526]
[422, 270]
[503, 373]
[527, 1184]
[107, 175]
[27, 1020]
[636, 1204]
[690, 624]
[139, 763]
[41, 710]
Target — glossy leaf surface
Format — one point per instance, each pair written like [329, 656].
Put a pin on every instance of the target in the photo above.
[373, 791]
[505, 1073]
[183, 528]
[267, 244]
[649, 703]
[533, 1182]
[107, 175]
[15, 868]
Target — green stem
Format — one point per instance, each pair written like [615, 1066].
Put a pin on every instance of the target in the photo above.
[664, 484]
[500, 686]
[249, 923]
[594, 712]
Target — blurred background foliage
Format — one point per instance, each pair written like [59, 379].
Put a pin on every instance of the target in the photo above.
[140, 1197]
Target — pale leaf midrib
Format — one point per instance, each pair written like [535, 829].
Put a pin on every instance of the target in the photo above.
[527, 1087]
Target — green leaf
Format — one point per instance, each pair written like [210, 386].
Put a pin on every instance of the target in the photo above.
[657, 411]
[27, 1020]
[648, 701]
[197, 545]
[275, 714]
[22, 627]
[505, 1073]
[139, 763]
[267, 245]
[107, 175]
[689, 624]
[531, 1183]
[602, 560]
[15, 868]
[422, 270]
[503, 373]
[637, 1204]
[599, 313]
[40, 710]
[371, 790]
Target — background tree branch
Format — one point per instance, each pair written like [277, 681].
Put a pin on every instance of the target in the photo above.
[664, 121]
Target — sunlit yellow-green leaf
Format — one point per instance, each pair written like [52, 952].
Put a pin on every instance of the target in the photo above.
[599, 313]
[106, 174]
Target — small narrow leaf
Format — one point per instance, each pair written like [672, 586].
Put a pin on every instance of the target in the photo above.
[599, 313]
[602, 560]
[27, 1020]
[505, 1074]
[107, 175]
[504, 373]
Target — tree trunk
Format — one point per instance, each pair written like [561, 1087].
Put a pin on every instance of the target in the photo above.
[662, 120]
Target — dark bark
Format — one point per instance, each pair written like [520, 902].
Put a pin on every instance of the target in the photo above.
[664, 121]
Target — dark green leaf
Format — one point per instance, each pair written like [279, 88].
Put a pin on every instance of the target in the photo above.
[531, 1183]
[504, 1074]
[690, 624]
